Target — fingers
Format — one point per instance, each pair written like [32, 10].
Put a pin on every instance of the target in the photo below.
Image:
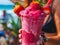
[20, 31]
[20, 40]
[20, 36]
[39, 41]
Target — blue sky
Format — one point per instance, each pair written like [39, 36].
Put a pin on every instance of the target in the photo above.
[6, 2]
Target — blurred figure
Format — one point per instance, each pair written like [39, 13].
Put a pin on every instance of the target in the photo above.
[5, 19]
[5, 16]
[2, 36]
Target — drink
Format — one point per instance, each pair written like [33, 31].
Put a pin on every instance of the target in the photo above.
[32, 19]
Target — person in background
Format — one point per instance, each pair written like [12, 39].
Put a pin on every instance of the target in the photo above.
[2, 36]
[5, 19]
[5, 16]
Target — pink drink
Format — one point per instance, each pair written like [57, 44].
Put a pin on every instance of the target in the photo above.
[32, 19]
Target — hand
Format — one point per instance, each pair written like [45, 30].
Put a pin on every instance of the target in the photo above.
[20, 36]
[20, 40]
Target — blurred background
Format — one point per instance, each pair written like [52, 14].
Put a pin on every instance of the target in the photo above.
[9, 24]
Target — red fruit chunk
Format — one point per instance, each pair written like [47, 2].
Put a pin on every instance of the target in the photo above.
[17, 9]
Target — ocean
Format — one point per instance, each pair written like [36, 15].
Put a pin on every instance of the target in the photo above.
[6, 7]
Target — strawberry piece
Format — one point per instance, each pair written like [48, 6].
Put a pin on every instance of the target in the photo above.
[17, 9]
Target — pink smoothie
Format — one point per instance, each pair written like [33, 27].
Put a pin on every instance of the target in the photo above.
[32, 19]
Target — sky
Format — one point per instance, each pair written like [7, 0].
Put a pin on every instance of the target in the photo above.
[6, 2]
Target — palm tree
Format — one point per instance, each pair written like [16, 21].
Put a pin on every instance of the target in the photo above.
[15, 25]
